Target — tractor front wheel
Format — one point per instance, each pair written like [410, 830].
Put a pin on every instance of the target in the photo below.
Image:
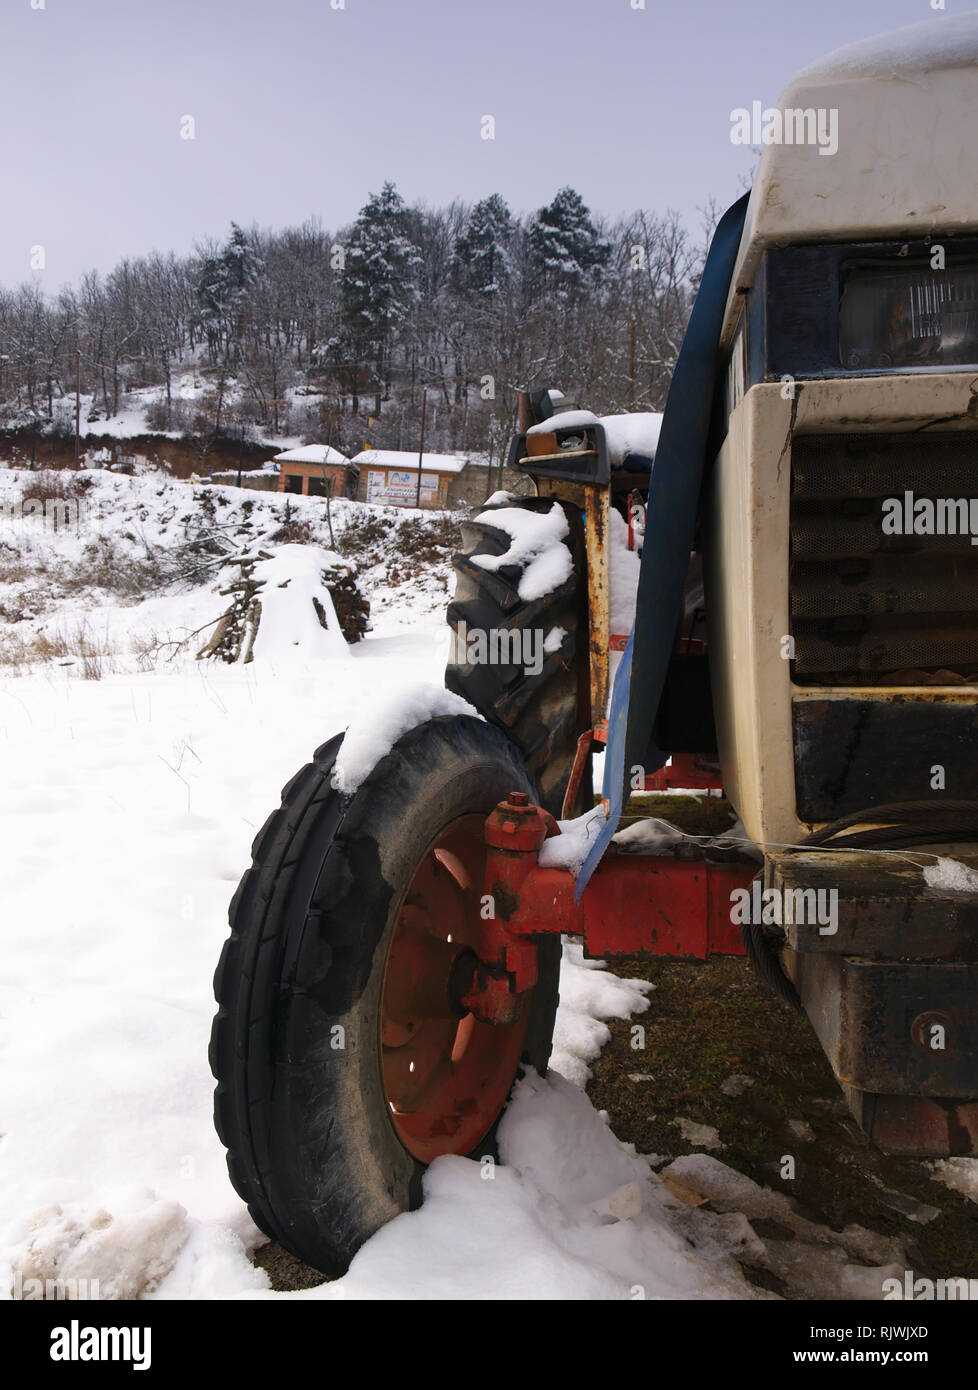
[344, 1060]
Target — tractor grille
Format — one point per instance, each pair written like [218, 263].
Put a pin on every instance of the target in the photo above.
[869, 608]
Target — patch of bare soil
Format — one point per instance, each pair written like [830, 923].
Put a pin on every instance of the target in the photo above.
[721, 1050]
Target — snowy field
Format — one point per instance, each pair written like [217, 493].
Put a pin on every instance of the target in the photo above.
[128, 807]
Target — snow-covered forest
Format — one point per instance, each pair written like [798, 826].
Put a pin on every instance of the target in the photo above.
[327, 334]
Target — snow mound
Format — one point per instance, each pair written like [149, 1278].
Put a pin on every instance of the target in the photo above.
[650, 836]
[737, 838]
[634, 433]
[588, 994]
[292, 600]
[959, 1174]
[122, 1256]
[376, 729]
[213, 1263]
[536, 543]
[565, 420]
[570, 848]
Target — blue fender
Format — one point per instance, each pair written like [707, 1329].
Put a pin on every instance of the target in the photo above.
[677, 477]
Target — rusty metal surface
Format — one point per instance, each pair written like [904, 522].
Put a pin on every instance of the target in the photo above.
[665, 905]
[917, 1126]
[596, 508]
[633, 904]
[583, 752]
[892, 993]
[844, 745]
[885, 909]
[870, 1019]
[658, 903]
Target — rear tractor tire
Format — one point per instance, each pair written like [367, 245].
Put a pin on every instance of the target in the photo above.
[542, 713]
[340, 1071]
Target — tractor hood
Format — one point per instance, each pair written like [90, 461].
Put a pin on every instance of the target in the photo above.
[875, 141]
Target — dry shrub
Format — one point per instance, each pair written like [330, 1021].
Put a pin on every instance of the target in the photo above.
[77, 646]
[429, 542]
[60, 486]
[293, 532]
[364, 536]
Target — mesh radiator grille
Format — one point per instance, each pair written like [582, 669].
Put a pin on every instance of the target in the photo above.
[866, 606]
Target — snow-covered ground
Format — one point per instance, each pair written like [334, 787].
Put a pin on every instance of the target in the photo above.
[128, 806]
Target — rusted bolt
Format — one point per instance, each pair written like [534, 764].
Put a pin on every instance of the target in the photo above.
[931, 1032]
[518, 799]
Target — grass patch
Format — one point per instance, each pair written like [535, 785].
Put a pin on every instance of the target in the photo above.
[75, 646]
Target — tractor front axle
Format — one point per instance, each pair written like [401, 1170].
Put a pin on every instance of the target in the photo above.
[633, 904]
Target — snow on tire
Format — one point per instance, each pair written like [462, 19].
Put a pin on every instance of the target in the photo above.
[543, 711]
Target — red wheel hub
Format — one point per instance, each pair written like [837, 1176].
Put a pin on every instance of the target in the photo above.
[446, 1077]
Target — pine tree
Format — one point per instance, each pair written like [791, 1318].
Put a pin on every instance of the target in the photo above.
[483, 260]
[222, 288]
[565, 244]
[378, 287]
[210, 290]
[242, 265]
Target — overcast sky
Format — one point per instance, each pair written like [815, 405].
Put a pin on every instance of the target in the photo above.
[300, 109]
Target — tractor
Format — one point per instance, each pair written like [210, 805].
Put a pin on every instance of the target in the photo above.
[803, 633]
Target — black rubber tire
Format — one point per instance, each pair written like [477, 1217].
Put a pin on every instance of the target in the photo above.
[311, 1147]
[543, 714]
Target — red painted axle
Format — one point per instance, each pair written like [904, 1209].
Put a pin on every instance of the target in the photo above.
[633, 904]
[685, 771]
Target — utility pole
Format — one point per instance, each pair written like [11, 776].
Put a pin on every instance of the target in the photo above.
[424, 404]
[77, 407]
[328, 491]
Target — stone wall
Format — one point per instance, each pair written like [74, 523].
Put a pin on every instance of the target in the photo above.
[476, 482]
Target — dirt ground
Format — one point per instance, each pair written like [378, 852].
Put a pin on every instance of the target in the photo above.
[710, 1022]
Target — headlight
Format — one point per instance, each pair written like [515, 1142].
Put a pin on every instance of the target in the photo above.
[911, 317]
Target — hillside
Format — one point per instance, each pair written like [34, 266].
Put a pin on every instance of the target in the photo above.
[279, 338]
[103, 573]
